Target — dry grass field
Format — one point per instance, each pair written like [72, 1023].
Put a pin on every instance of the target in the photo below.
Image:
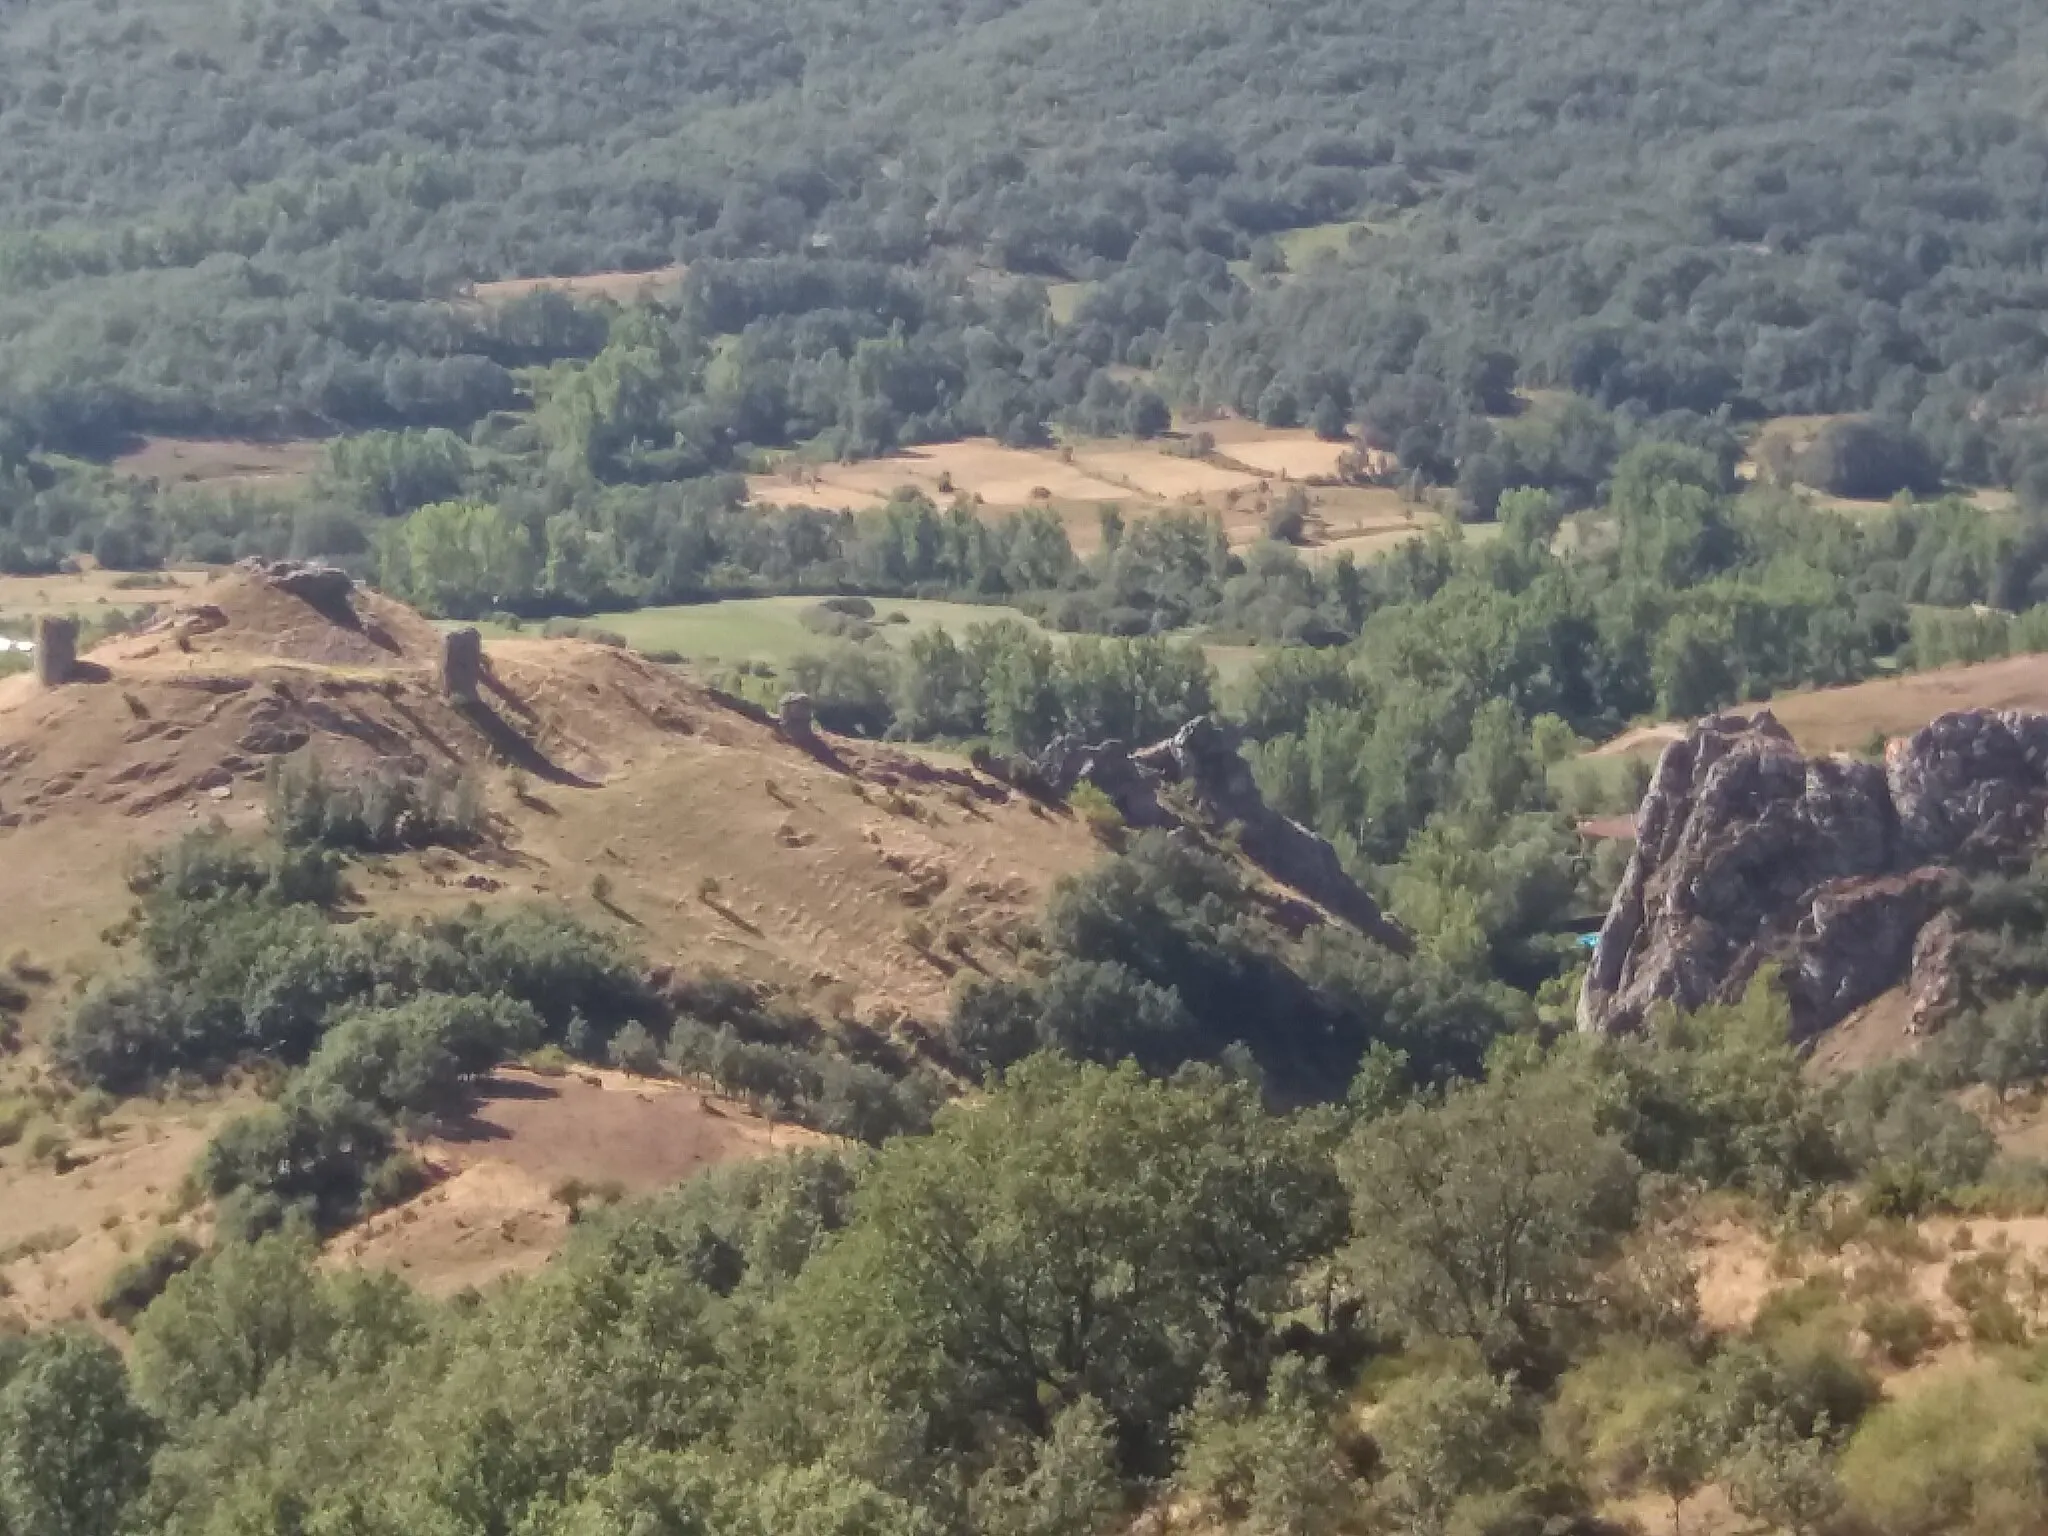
[1158, 476]
[67, 1225]
[88, 594]
[719, 840]
[1283, 453]
[1849, 719]
[221, 462]
[857, 880]
[618, 287]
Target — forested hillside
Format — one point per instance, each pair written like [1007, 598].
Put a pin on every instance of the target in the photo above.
[1090, 841]
[252, 217]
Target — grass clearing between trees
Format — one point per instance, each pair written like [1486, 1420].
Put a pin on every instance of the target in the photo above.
[770, 629]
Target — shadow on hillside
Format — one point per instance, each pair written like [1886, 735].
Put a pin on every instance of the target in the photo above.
[516, 749]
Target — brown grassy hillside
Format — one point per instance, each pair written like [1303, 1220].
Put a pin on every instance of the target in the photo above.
[857, 878]
[716, 840]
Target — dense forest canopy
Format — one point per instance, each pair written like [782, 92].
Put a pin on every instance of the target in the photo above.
[256, 218]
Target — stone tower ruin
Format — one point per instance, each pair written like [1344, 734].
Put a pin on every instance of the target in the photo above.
[56, 649]
[462, 663]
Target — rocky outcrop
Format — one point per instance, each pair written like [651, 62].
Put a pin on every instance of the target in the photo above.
[1750, 854]
[1205, 759]
[326, 587]
[1971, 786]
[795, 719]
[1934, 984]
[1110, 767]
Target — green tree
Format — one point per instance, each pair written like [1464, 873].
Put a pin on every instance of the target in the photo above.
[74, 1446]
[1269, 1469]
[935, 693]
[1086, 1233]
[1482, 1217]
[460, 559]
[388, 474]
[1445, 1437]
[1069, 1488]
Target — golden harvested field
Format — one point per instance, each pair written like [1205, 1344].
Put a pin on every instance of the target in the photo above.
[1287, 453]
[1160, 476]
[1846, 719]
[220, 461]
[619, 287]
[1002, 477]
[821, 496]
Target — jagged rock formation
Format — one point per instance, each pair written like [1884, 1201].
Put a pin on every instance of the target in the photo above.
[1203, 757]
[1750, 854]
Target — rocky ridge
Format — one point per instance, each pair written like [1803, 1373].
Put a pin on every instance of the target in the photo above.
[1205, 759]
[1749, 854]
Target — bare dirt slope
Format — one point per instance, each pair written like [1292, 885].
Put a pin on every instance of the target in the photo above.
[67, 1223]
[536, 1148]
[832, 869]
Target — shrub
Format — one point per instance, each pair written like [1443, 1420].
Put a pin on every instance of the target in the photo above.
[583, 629]
[1981, 1288]
[1901, 1331]
[548, 1061]
[1962, 1455]
[836, 624]
[312, 1154]
[634, 1049]
[89, 1111]
[381, 809]
[140, 1281]
[1098, 813]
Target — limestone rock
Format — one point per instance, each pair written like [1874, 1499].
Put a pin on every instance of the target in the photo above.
[1205, 758]
[1750, 854]
[1934, 985]
[1972, 784]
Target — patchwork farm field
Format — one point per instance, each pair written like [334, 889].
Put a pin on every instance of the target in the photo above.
[1239, 481]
